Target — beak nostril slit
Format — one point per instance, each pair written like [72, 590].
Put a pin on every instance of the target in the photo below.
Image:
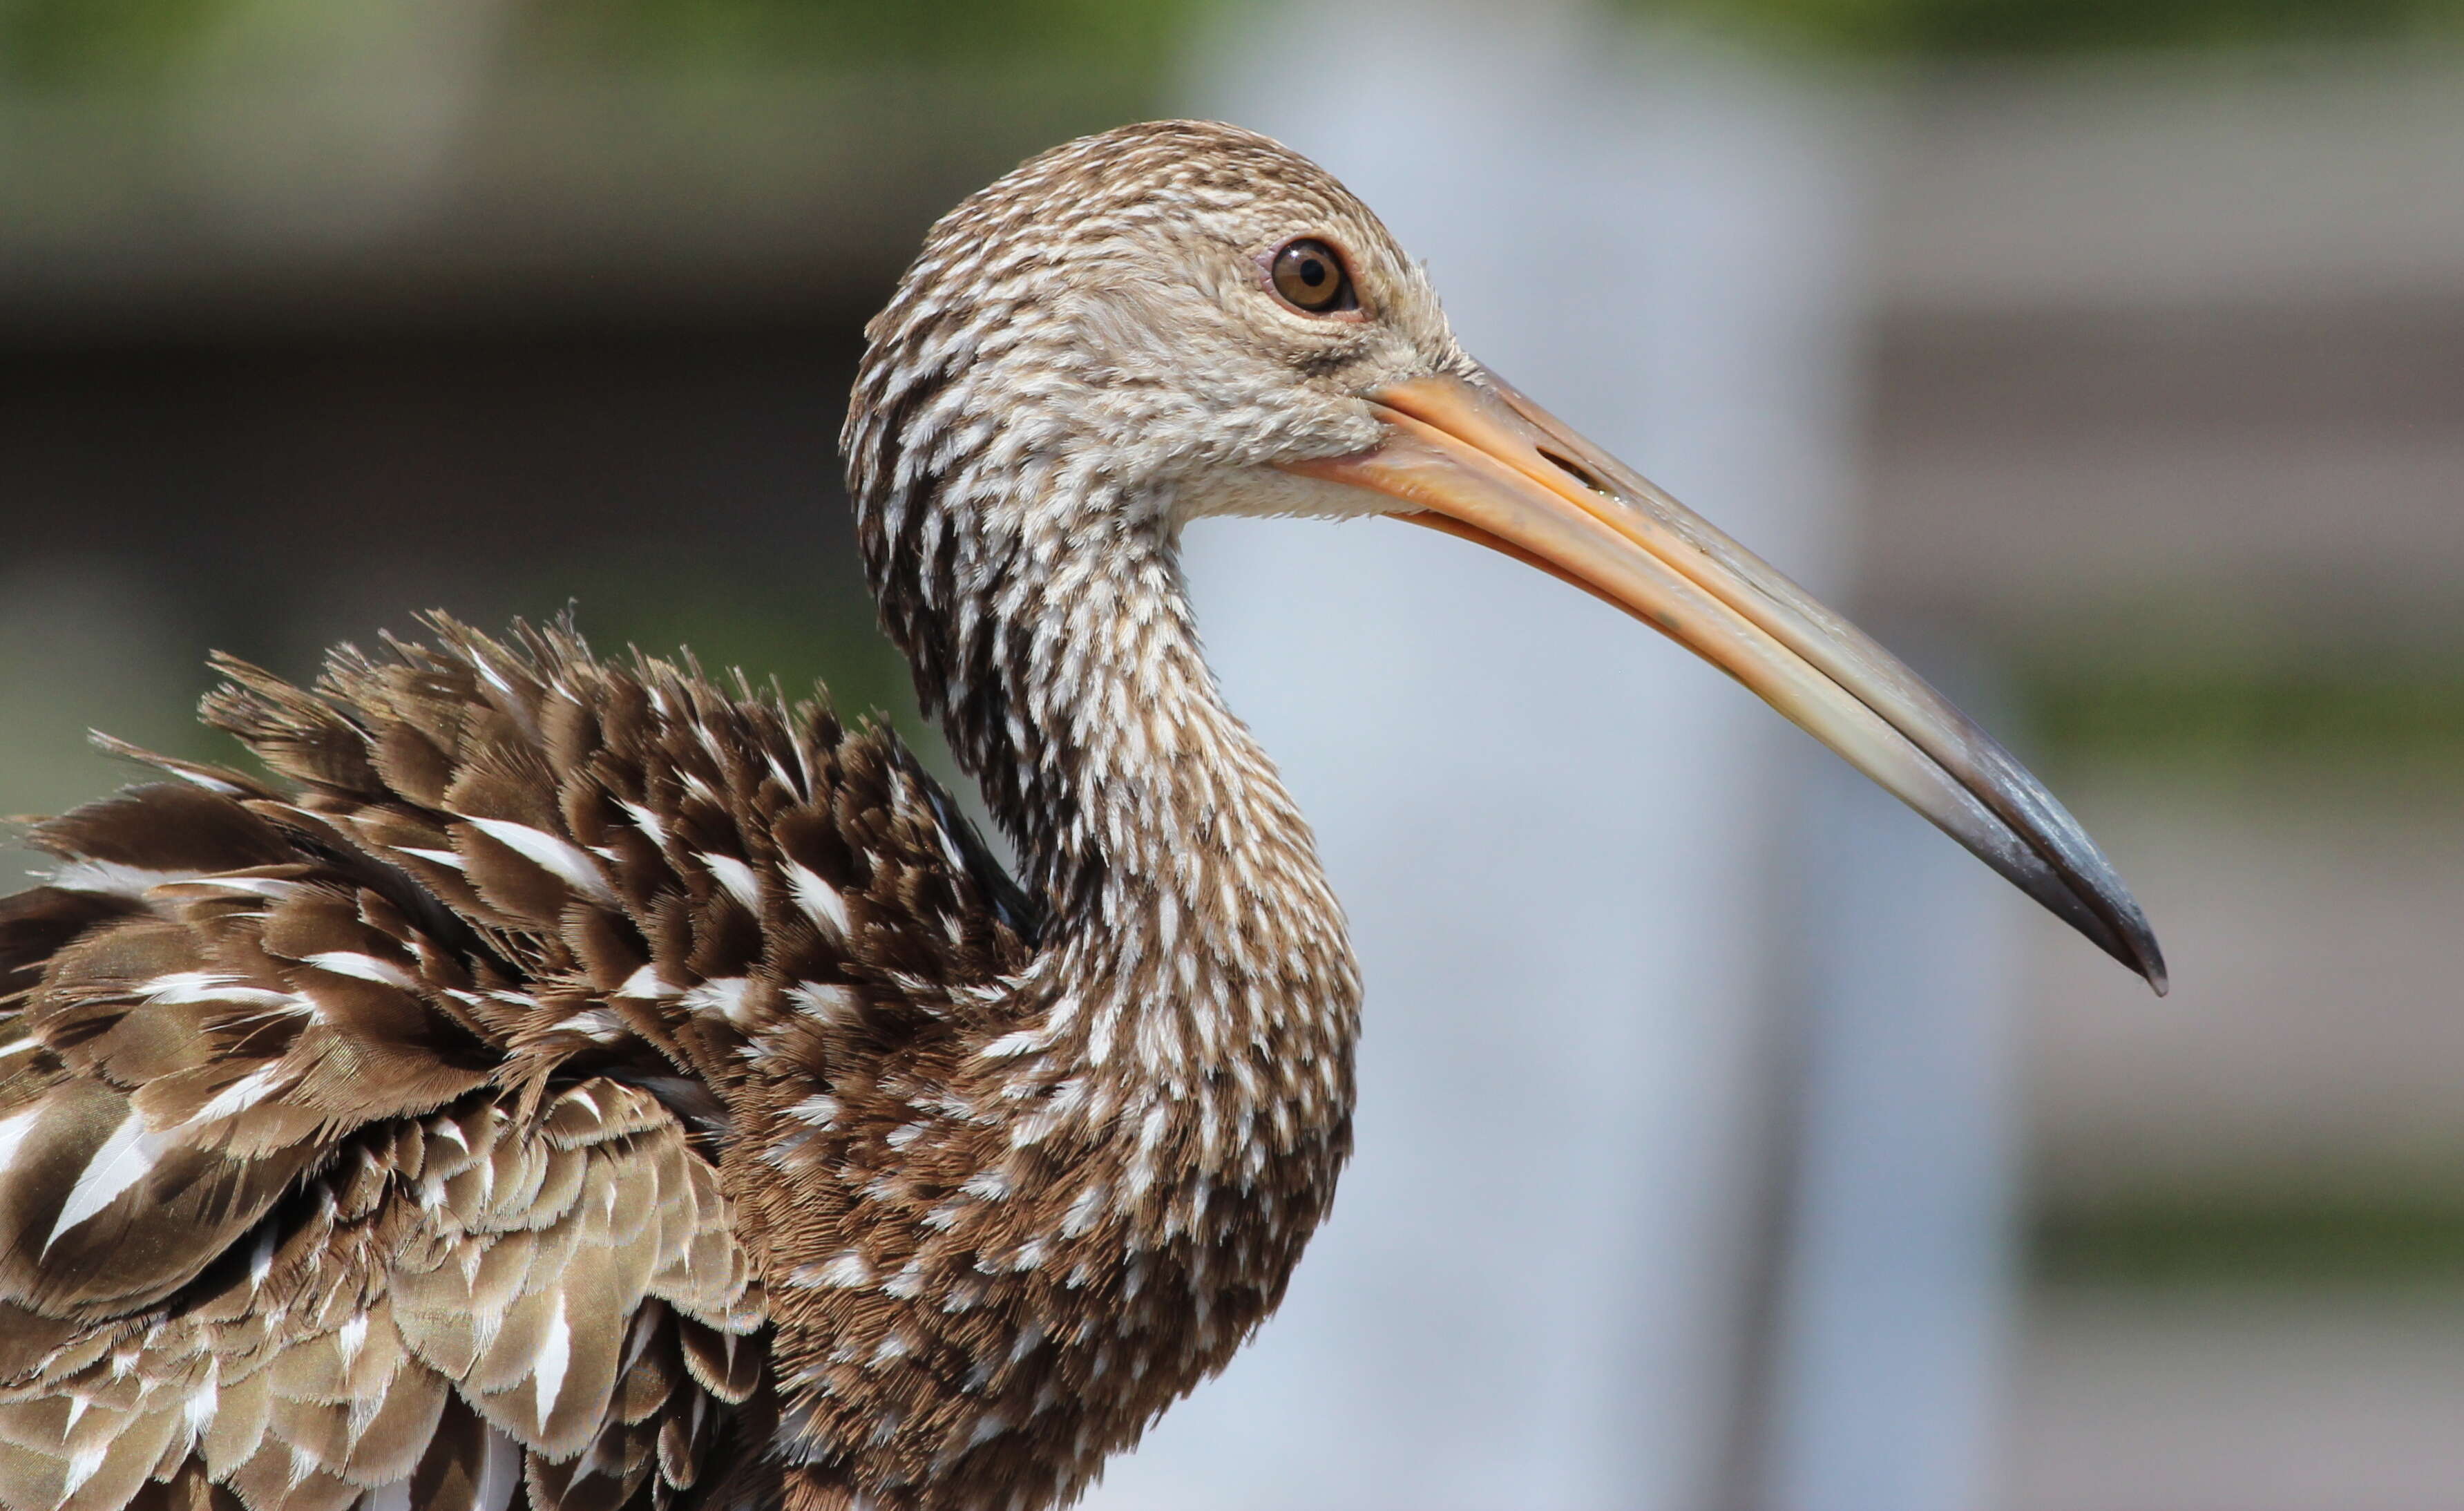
[1574, 470]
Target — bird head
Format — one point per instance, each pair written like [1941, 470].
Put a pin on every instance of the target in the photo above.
[1182, 319]
[1159, 315]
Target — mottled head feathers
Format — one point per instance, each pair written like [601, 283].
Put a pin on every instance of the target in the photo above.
[1104, 315]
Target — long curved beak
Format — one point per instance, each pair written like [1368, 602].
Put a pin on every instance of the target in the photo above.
[1478, 459]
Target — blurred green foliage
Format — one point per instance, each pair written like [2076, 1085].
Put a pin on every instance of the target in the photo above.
[71, 42]
[78, 41]
[2002, 26]
[75, 40]
[2373, 711]
[2400, 1240]
[1131, 34]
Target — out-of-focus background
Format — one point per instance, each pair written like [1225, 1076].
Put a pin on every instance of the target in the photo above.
[2105, 356]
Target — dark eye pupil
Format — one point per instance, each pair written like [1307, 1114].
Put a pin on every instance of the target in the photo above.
[1310, 276]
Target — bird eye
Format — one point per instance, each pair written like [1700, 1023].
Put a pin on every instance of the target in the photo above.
[1311, 278]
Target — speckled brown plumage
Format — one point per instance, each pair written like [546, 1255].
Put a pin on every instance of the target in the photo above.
[569, 1084]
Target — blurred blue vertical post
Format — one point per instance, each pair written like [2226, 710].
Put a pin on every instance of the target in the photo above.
[1896, 1289]
[1557, 836]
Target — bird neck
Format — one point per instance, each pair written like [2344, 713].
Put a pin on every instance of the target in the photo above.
[1061, 659]
[1107, 753]
[1082, 1199]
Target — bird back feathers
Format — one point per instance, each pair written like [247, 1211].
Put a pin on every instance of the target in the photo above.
[360, 1143]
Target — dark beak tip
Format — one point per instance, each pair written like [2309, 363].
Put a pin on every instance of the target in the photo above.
[2152, 967]
[2139, 951]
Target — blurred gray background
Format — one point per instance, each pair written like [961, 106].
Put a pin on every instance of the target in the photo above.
[2105, 358]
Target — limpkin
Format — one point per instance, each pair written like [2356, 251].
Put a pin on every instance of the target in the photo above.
[571, 1083]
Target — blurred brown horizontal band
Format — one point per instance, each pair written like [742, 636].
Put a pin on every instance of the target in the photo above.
[2287, 470]
[2381, 365]
[524, 199]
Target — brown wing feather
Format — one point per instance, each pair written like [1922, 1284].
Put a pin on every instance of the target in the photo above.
[357, 1141]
